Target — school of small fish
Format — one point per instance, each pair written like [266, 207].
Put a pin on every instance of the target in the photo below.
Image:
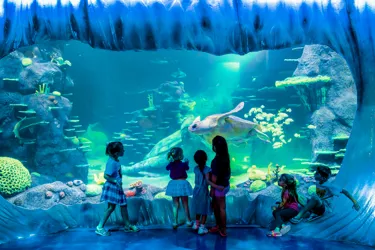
[274, 124]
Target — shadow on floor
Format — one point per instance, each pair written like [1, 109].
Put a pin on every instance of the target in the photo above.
[182, 239]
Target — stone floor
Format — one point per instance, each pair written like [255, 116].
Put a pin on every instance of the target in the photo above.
[165, 239]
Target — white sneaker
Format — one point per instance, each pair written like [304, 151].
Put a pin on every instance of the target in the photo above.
[189, 223]
[195, 226]
[285, 229]
[202, 230]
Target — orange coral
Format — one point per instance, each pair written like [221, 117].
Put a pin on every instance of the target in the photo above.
[130, 193]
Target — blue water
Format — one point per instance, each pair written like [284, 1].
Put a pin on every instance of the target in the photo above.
[238, 238]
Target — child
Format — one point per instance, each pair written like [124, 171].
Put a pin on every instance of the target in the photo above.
[322, 199]
[221, 173]
[179, 187]
[287, 209]
[201, 195]
[112, 189]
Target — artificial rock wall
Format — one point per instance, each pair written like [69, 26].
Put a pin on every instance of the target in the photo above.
[223, 27]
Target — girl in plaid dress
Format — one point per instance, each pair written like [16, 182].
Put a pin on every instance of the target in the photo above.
[112, 189]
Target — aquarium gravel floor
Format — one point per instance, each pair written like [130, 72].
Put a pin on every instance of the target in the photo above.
[164, 239]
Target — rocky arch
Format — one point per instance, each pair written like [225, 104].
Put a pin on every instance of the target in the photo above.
[222, 27]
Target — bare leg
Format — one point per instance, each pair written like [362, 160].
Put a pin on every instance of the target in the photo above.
[216, 211]
[107, 213]
[204, 218]
[125, 215]
[176, 205]
[223, 213]
[185, 202]
[313, 203]
[197, 217]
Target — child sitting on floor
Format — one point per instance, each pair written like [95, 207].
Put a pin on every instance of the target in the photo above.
[322, 199]
[287, 209]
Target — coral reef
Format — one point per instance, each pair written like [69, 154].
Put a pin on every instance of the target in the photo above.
[302, 80]
[14, 177]
[33, 120]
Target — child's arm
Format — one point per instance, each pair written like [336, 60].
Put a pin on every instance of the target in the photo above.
[350, 197]
[110, 179]
[207, 175]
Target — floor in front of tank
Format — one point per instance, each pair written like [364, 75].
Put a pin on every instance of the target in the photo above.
[181, 239]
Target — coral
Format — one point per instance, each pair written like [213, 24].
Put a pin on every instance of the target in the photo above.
[18, 202]
[77, 182]
[255, 174]
[93, 190]
[26, 62]
[302, 80]
[83, 187]
[60, 61]
[56, 93]
[136, 184]
[99, 179]
[130, 193]
[150, 99]
[43, 89]
[61, 194]
[162, 196]
[277, 171]
[48, 195]
[69, 184]
[14, 177]
[257, 186]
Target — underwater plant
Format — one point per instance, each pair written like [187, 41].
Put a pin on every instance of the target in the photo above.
[150, 99]
[43, 89]
[60, 61]
[277, 171]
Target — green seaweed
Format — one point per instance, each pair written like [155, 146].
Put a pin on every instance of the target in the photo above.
[302, 80]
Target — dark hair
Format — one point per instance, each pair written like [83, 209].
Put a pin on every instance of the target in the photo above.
[200, 157]
[324, 171]
[113, 148]
[175, 154]
[291, 186]
[220, 146]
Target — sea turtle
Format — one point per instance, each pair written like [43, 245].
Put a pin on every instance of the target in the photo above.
[234, 129]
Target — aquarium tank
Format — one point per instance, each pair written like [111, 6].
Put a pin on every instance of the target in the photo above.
[284, 106]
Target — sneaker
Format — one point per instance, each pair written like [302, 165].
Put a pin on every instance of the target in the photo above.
[274, 233]
[214, 229]
[296, 220]
[189, 223]
[202, 230]
[223, 233]
[174, 226]
[285, 229]
[195, 226]
[102, 232]
[131, 229]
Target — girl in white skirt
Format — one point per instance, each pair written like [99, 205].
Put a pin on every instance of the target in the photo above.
[179, 187]
[112, 189]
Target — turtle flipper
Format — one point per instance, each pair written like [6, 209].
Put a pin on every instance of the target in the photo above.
[221, 117]
[262, 136]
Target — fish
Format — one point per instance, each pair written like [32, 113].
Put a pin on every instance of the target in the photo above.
[178, 74]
